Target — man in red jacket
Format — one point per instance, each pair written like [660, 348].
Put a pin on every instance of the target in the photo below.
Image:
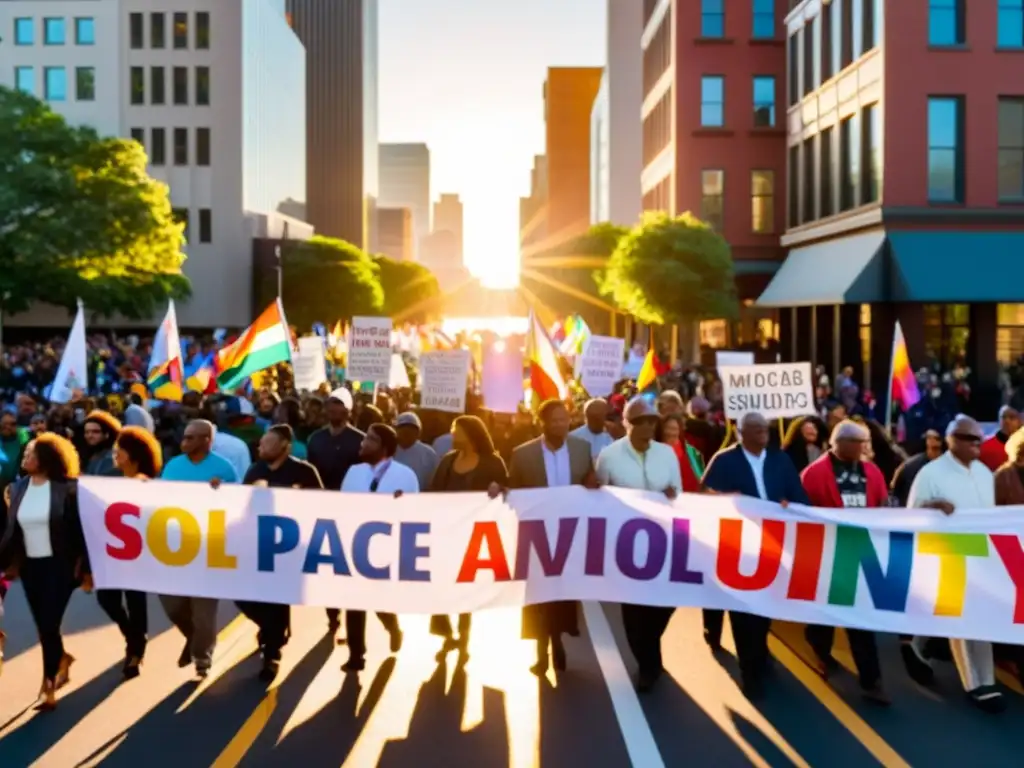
[993, 450]
[841, 478]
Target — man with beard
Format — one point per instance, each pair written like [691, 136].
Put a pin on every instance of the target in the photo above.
[379, 473]
[100, 430]
[276, 468]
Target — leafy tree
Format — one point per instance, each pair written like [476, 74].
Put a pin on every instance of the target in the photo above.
[411, 291]
[81, 218]
[326, 279]
[672, 270]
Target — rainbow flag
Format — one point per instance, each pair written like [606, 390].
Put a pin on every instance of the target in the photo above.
[546, 380]
[902, 382]
[650, 371]
[263, 344]
[165, 378]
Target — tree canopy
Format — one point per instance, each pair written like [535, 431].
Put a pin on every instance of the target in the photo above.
[81, 218]
[411, 291]
[672, 270]
[326, 279]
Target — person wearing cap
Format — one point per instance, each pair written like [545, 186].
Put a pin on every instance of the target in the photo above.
[993, 450]
[637, 461]
[842, 479]
[596, 414]
[957, 480]
[333, 450]
[416, 455]
[750, 468]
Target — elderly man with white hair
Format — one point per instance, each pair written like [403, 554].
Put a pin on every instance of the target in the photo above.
[596, 413]
[841, 478]
[957, 480]
[750, 468]
[637, 461]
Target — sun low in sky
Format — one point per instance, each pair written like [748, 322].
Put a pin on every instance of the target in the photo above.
[467, 77]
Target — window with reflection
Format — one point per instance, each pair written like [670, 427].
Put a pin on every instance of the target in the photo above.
[872, 155]
[764, 101]
[849, 162]
[946, 22]
[1009, 333]
[712, 198]
[764, 19]
[181, 30]
[762, 202]
[25, 79]
[55, 80]
[1010, 24]
[945, 149]
[24, 32]
[85, 31]
[946, 332]
[712, 18]
[1011, 149]
[53, 31]
[712, 101]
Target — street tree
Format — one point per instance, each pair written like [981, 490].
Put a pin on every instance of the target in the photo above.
[80, 218]
[411, 291]
[326, 279]
[672, 270]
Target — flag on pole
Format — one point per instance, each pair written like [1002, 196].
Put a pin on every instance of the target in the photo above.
[165, 378]
[546, 380]
[650, 371]
[263, 344]
[72, 374]
[902, 382]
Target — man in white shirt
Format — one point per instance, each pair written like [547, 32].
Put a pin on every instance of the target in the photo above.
[636, 461]
[957, 480]
[379, 473]
[596, 413]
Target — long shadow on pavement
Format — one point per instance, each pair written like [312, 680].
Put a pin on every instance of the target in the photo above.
[436, 738]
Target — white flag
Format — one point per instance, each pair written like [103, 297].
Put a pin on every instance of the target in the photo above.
[73, 372]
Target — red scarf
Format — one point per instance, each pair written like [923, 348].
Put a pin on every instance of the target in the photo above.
[691, 483]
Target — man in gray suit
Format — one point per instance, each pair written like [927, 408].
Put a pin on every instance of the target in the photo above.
[552, 460]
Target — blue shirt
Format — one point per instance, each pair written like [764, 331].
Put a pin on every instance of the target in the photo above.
[184, 469]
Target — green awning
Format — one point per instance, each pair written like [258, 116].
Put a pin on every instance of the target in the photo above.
[955, 267]
[847, 270]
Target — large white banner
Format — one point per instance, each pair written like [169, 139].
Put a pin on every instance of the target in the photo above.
[912, 571]
[775, 390]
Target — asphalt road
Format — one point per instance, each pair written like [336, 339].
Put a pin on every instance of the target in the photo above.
[411, 711]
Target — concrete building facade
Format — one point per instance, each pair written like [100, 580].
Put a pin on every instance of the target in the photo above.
[211, 90]
[405, 183]
[395, 233]
[448, 216]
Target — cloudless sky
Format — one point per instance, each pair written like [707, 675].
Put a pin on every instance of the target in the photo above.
[466, 77]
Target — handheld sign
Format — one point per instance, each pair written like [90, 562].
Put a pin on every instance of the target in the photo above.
[443, 376]
[369, 350]
[600, 365]
[776, 391]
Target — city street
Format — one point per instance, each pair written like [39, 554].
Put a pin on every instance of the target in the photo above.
[410, 711]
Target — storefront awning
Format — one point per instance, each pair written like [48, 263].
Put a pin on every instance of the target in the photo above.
[847, 270]
[955, 266]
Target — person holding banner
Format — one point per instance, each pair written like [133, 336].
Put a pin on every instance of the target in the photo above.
[750, 468]
[637, 461]
[841, 479]
[552, 460]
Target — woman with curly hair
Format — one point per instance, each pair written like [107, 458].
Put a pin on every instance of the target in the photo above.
[804, 441]
[137, 455]
[99, 431]
[44, 546]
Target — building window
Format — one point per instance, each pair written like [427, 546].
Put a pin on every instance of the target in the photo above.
[139, 135]
[181, 86]
[947, 331]
[809, 55]
[794, 69]
[202, 30]
[157, 86]
[810, 186]
[657, 128]
[825, 42]
[712, 197]
[203, 146]
[793, 185]
[946, 22]
[873, 10]
[181, 146]
[1009, 333]
[205, 225]
[135, 31]
[53, 31]
[827, 196]
[712, 18]
[712, 101]
[55, 80]
[25, 79]
[158, 150]
[85, 31]
[857, 28]
[846, 12]
[764, 19]
[157, 31]
[945, 149]
[764, 101]
[657, 56]
[1011, 24]
[181, 30]
[1011, 149]
[181, 217]
[762, 202]
[138, 85]
[849, 162]
[872, 188]
[24, 32]
[836, 44]
[203, 86]
[85, 83]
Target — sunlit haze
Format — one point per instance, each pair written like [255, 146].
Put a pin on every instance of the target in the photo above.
[467, 78]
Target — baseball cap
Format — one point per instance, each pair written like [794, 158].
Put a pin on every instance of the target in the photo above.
[343, 396]
[408, 419]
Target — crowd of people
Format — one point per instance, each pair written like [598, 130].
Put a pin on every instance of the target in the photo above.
[348, 442]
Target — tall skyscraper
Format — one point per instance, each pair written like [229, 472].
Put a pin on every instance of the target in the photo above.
[394, 233]
[341, 115]
[448, 217]
[405, 183]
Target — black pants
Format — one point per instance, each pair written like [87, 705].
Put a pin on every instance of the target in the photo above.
[862, 647]
[441, 624]
[128, 610]
[333, 616]
[48, 583]
[355, 630]
[750, 634]
[274, 621]
[713, 623]
[644, 626]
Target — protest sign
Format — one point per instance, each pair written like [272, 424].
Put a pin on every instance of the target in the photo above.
[398, 376]
[443, 376]
[725, 357]
[600, 365]
[309, 364]
[502, 378]
[776, 390]
[369, 350]
[893, 570]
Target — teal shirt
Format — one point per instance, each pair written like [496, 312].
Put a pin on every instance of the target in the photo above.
[182, 468]
[299, 450]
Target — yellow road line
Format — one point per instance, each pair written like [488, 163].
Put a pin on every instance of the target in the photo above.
[833, 702]
[242, 742]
